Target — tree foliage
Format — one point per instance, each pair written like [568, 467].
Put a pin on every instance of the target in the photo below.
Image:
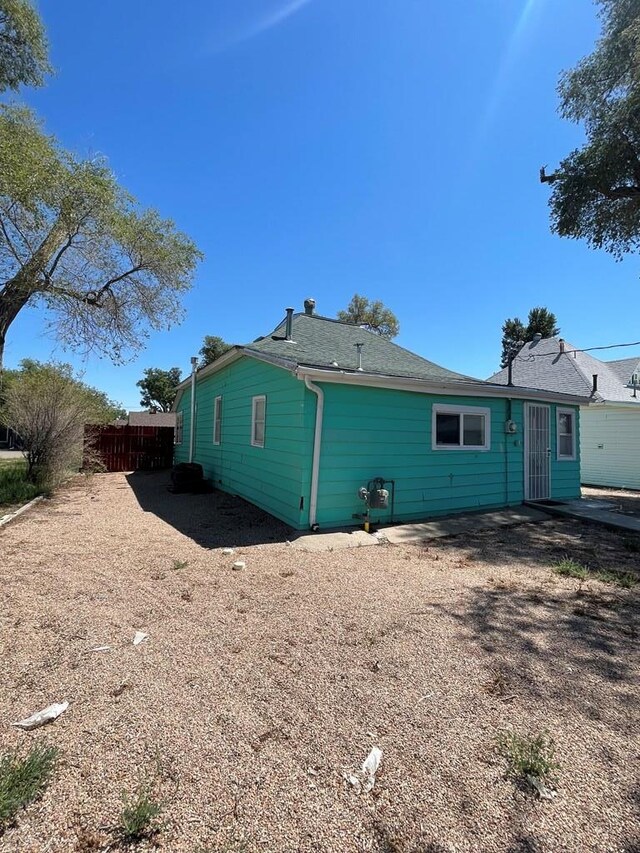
[158, 388]
[212, 348]
[596, 189]
[23, 46]
[514, 332]
[371, 315]
[72, 240]
[48, 407]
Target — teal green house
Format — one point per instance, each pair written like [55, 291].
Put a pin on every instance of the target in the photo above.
[297, 422]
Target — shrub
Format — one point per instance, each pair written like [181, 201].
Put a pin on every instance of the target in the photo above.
[528, 756]
[138, 814]
[23, 779]
[571, 568]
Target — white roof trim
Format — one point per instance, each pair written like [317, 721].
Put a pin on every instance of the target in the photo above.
[431, 386]
[228, 358]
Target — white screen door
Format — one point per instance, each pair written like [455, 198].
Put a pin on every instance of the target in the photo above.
[537, 452]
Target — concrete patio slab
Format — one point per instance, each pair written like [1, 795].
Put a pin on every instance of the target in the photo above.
[586, 511]
[400, 534]
[334, 540]
[461, 525]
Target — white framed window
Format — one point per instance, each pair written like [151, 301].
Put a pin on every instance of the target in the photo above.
[258, 420]
[177, 435]
[217, 420]
[566, 434]
[460, 427]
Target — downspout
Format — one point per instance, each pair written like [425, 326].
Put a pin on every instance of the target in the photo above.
[315, 464]
[192, 423]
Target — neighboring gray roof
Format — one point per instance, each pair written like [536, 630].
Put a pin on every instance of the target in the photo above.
[321, 341]
[624, 368]
[159, 419]
[540, 364]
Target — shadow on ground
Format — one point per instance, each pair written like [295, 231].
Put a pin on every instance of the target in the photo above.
[216, 520]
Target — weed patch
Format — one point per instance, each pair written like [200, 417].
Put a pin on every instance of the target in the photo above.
[14, 486]
[528, 757]
[23, 779]
[571, 568]
[574, 569]
[179, 564]
[138, 815]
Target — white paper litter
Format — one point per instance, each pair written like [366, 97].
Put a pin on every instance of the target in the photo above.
[101, 649]
[47, 715]
[365, 779]
[139, 637]
[543, 792]
[238, 566]
[227, 552]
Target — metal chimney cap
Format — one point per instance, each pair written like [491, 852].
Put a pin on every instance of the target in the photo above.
[309, 305]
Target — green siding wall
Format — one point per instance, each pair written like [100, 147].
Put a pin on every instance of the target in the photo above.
[367, 433]
[376, 432]
[275, 477]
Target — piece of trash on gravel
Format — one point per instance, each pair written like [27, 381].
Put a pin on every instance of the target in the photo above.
[139, 637]
[364, 780]
[238, 566]
[543, 792]
[100, 649]
[47, 715]
[227, 552]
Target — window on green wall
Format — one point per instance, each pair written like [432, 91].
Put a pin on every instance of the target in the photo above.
[177, 436]
[217, 420]
[566, 429]
[460, 428]
[258, 420]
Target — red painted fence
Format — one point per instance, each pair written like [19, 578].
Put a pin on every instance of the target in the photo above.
[129, 448]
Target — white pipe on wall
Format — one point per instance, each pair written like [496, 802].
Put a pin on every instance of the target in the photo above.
[317, 441]
[192, 424]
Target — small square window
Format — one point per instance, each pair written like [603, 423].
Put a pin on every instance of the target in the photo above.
[461, 427]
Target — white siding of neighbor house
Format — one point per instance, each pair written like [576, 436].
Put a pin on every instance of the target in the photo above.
[610, 446]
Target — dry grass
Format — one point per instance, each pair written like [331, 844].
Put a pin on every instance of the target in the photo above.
[256, 691]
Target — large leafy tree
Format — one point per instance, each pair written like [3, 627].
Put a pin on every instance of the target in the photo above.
[23, 45]
[596, 189]
[74, 241]
[515, 332]
[158, 388]
[212, 348]
[372, 315]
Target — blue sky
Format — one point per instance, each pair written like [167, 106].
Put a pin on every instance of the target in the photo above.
[319, 148]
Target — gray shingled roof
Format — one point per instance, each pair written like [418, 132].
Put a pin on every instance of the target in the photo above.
[322, 342]
[540, 364]
[624, 368]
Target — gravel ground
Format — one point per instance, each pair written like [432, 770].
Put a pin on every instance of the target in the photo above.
[258, 689]
[622, 500]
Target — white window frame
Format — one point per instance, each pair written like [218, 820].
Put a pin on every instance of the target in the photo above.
[179, 428]
[560, 456]
[217, 420]
[254, 404]
[445, 409]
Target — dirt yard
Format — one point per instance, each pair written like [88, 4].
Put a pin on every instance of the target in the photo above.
[257, 690]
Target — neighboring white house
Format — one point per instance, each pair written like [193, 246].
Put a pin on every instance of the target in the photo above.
[610, 418]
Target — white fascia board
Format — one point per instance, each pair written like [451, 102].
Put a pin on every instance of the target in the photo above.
[226, 359]
[426, 386]
[620, 404]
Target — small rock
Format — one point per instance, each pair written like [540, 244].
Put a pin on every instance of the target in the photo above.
[227, 552]
[238, 566]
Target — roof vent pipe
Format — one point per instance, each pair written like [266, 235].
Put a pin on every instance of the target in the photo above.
[537, 337]
[359, 348]
[595, 384]
[309, 305]
[289, 325]
[561, 342]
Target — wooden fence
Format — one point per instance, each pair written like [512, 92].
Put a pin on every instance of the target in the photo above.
[129, 448]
